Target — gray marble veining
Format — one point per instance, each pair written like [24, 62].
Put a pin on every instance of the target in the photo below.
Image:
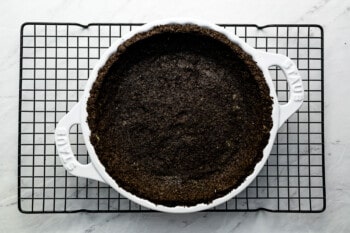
[333, 15]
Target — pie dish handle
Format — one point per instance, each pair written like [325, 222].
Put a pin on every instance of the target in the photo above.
[69, 161]
[296, 90]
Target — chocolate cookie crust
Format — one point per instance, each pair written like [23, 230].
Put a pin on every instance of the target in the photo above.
[179, 115]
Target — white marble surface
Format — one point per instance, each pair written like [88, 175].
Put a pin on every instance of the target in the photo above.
[333, 15]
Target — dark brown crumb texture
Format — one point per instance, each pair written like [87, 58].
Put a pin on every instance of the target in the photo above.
[179, 115]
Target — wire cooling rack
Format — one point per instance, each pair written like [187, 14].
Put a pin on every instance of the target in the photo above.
[55, 60]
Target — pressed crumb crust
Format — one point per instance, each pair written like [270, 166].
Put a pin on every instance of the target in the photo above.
[179, 115]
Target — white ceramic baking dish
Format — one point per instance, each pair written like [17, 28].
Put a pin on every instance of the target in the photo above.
[95, 170]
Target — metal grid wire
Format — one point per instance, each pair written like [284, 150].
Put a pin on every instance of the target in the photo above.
[55, 61]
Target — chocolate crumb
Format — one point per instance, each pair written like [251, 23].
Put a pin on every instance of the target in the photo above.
[179, 115]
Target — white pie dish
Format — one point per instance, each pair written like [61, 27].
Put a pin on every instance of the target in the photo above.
[95, 170]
